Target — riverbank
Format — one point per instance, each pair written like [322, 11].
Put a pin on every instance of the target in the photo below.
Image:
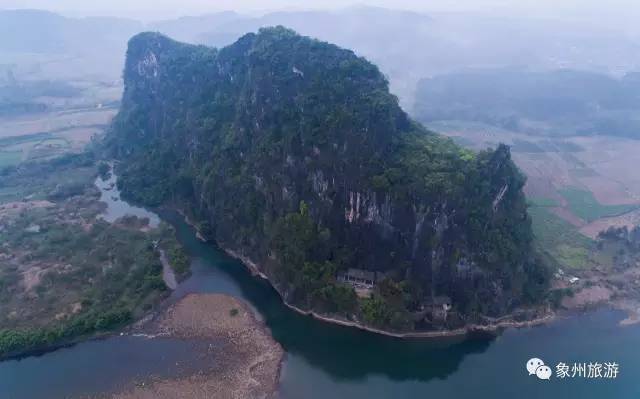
[460, 332]
[190, 222]
[491, 327]
[245, 361]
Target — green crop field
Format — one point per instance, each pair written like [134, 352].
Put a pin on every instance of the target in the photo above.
[583, 204]
[560, 239]
[40, 146]
[543, 202]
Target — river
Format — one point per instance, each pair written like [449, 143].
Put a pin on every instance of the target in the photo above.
[330, 361]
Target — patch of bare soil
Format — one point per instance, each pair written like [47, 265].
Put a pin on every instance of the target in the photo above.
[615, 287]
[11, 209]
[247, 367]
[630, 220]
[607, 191]
[632, 307]
[168, 275]
[588, 296]
[32, 277]
[615, 159]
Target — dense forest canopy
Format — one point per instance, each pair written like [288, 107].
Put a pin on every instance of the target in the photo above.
[292, 152]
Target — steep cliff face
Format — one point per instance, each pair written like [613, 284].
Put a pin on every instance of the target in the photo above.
[293, 152]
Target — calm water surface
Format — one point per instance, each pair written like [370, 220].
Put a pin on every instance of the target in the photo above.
[116, 207]
[328, 361]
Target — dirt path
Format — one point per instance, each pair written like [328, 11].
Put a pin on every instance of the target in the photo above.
[168, 274]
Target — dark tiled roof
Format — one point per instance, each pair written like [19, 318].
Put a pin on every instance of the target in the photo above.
[361, 274]
[441, 300]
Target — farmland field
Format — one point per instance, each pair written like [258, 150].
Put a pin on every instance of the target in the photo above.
[576, 186]
[560, 239]
[63, 127]
[583, 204]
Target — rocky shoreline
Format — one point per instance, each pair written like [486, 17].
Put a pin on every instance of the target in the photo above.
[628, 304]
[246, 364]
[460, 332]
[504, 322]
[493, 327]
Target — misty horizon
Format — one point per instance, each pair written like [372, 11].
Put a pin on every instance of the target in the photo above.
[617, 15]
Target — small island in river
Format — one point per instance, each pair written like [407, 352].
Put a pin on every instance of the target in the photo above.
[245, 361]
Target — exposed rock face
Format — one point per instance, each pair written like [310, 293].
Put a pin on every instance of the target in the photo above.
[244, 135]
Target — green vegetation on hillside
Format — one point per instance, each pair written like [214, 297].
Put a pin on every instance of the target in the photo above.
[542, 202]
[179, 260]
[293, 152]
[559, 238]
[297, 240]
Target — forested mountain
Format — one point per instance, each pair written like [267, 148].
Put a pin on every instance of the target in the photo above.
[562, 102]
[292, 152]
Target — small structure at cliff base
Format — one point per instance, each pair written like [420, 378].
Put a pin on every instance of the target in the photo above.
[360, 278]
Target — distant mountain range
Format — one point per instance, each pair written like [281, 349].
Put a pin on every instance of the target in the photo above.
[407, 46]
[34, 31]
[558, 103]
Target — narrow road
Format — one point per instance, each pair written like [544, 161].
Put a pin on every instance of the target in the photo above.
[168, 275]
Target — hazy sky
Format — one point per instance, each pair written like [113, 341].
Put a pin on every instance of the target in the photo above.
[153, 9]
[135, 7]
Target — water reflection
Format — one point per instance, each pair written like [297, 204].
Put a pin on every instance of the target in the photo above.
[355, 355]
[97, 366]
[116, 207]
